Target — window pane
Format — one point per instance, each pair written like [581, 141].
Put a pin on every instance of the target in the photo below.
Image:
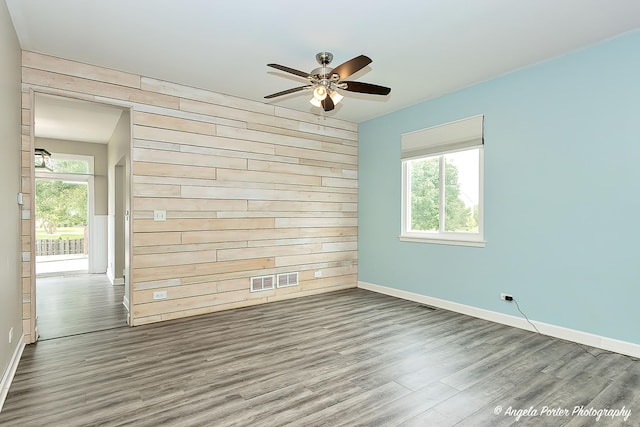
[462, 191]
[425, 192]
[70, 166]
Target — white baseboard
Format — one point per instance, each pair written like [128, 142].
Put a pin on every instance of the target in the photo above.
[610, 344]
[110, 276]
[125, 302]
[7, 378]
[118, 281]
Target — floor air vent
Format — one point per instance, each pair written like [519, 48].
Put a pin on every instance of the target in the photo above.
[287, 279]
[262, 283]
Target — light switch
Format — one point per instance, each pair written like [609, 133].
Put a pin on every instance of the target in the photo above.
[159, 215]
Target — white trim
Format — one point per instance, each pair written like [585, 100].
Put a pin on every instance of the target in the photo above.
[98, 244]
[444, 241]
[7, 378]
[109, 274]
[125, 302]
[604, 343]
[118, 282]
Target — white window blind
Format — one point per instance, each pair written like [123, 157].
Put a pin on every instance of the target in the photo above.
[458, 135]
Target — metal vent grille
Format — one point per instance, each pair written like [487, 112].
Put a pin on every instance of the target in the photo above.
[287, 279]
[262, 283]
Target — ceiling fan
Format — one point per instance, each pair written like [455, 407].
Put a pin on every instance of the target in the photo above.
[325, 81]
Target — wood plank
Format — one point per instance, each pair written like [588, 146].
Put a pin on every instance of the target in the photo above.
[165, 249]
[325, 156]
[173, 123]
[152, 109]
[315, 222]
[93, 87]
[175, 171]
[157, 284]
[208, 288]
[295, 168]
[189, 237]
[151, 203]
[282, 214]
[156, 190]
[154, 156]
[174, 258]
[170, 180]
[77, 69]
[339, 246]
[251, 176]
[154, 239]
[295, 133]
[159, 273]
[282, 261]
[209, 309]
[171, 135]
[187, 303]
[339, 182]
[156, 145]
[146, 226]
[195, 192]
[267, 251]
[285, 140]
[284, 206]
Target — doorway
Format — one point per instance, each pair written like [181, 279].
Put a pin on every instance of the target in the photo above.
[73, 294]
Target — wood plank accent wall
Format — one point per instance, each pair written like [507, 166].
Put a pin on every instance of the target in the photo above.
[249, 189]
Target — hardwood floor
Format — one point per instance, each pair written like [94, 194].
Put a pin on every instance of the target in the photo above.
[77, 304]
[345, 358]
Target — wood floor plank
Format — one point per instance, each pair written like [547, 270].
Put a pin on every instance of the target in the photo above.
[350, 357]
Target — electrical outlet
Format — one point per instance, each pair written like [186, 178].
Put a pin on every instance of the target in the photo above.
[506, 297]
[159, 215]
[317, 274]
[10, 335]
[160, 295]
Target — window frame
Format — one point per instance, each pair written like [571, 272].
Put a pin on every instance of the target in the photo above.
[442, 236]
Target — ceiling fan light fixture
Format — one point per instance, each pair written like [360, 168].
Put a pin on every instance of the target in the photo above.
[315, 102]
[336, 97]
[320, 93]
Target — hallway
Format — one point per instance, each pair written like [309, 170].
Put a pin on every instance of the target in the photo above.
[77, 304]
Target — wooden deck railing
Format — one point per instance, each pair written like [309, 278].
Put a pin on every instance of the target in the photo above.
[59, 247]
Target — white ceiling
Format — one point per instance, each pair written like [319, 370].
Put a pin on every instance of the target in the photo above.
[420, 48]
[74, 120]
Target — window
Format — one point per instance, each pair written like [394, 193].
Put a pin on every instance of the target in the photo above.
[70, 164]
[442, 183]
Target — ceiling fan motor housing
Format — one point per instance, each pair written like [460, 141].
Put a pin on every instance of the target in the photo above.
[324, 58]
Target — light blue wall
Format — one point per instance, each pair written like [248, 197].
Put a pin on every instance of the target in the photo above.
[562, 195]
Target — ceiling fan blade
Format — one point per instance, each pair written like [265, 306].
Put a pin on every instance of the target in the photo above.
[327, 103]
[289, 70]
[345, 69]
[367, 88]
[286, 92]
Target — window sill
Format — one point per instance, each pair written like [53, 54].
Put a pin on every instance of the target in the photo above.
[444, 241]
